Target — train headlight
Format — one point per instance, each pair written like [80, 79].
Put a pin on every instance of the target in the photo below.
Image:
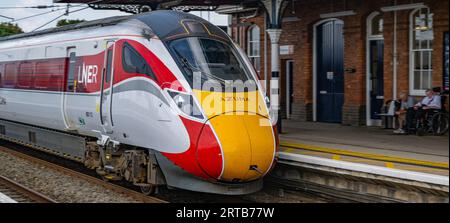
[185, 103]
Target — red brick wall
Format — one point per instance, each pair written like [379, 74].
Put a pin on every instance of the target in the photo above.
[300, 34]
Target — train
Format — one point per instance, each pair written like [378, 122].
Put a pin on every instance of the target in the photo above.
[126, 97]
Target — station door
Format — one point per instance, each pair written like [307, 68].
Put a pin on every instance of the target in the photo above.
[330, 71]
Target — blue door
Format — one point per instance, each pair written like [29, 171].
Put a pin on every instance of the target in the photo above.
[376, 78]
[330, 71]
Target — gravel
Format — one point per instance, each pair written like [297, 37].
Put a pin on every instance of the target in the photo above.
[57, 185]
[69, 189]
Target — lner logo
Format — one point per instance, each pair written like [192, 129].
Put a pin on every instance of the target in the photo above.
[87, 74]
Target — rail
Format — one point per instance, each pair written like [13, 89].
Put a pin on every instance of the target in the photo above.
[20, 193]
[108, 185]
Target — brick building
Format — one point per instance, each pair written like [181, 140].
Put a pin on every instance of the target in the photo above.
[337, 57]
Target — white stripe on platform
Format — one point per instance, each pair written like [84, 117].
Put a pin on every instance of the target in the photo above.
[376, 170]
[6, 199]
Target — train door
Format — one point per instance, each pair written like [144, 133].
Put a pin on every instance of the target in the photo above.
[106, 92]
[67, 97]
[376, 78]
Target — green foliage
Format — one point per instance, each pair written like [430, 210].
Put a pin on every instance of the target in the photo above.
[7, 29]
[64, 22]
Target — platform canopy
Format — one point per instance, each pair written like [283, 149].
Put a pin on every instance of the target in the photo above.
[138, 6]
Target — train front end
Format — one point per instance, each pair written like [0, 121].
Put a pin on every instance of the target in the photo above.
[233, 141]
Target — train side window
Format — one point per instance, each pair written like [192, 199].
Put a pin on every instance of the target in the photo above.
[10, 75]
[24, 79]
[1, 74]
[49, 75]
[42, 76]
[108, 64]
[71, 73]
[133, 62]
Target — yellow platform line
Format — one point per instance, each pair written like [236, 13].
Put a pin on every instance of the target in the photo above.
[364, 155]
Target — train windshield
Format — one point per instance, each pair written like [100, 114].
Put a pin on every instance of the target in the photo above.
[210, 60]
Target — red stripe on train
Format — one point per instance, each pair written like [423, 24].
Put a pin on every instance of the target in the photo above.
[52, 74]
[204, 156]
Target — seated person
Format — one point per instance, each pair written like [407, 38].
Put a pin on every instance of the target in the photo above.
[402, 104]
[431, 101]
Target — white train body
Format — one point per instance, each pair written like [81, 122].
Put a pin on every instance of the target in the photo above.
[62, 81]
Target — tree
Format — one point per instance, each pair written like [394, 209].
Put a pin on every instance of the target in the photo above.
[64, 22]
[7, 29]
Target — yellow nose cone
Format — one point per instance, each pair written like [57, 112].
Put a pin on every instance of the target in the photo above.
[240, 121]
[248, 145]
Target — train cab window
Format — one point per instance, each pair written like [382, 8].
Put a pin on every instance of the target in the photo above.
[214, 60]
[133, 62]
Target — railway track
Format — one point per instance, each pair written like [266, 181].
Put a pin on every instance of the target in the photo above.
[328, 194]
[108, 185]
[165, 195]
[21, 194]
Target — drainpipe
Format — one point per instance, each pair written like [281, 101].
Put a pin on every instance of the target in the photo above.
[266, 78]
[395, 58]
[230, 23]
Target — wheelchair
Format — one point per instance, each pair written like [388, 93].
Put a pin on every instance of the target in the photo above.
[435, 122]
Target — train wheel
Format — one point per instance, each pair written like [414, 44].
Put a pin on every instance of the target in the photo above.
[148, 189]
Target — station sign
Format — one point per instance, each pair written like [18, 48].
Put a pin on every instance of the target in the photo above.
[286, 49]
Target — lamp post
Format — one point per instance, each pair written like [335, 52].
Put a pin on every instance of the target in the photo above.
[274, 35]
[274, 10]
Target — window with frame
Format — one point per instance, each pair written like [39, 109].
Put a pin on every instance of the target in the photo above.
[377, 25]
[253, 46]
[421, 51]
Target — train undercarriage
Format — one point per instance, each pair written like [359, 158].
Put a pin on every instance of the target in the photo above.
[112, 161]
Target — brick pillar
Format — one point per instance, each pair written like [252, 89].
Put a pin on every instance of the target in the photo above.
[302, 111]
[354, 115]
[353, 111]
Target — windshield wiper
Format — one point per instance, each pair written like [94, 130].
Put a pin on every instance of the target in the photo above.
[188, 65]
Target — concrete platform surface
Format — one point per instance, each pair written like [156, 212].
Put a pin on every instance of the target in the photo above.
[369, 145]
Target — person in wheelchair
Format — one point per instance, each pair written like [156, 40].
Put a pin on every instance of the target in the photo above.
[430, 103]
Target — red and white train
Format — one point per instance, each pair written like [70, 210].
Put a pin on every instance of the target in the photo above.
[118, 95]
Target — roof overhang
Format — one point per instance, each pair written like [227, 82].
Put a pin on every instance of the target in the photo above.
[138, 6]
[158, 2]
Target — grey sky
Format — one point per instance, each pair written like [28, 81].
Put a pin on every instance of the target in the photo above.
[87, 14]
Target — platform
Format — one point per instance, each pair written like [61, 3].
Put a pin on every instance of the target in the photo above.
[366, 162]
[367, 145]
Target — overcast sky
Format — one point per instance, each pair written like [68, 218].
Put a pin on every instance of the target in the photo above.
[88, 14]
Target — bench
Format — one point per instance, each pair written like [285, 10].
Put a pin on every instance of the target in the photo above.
[389, 116]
